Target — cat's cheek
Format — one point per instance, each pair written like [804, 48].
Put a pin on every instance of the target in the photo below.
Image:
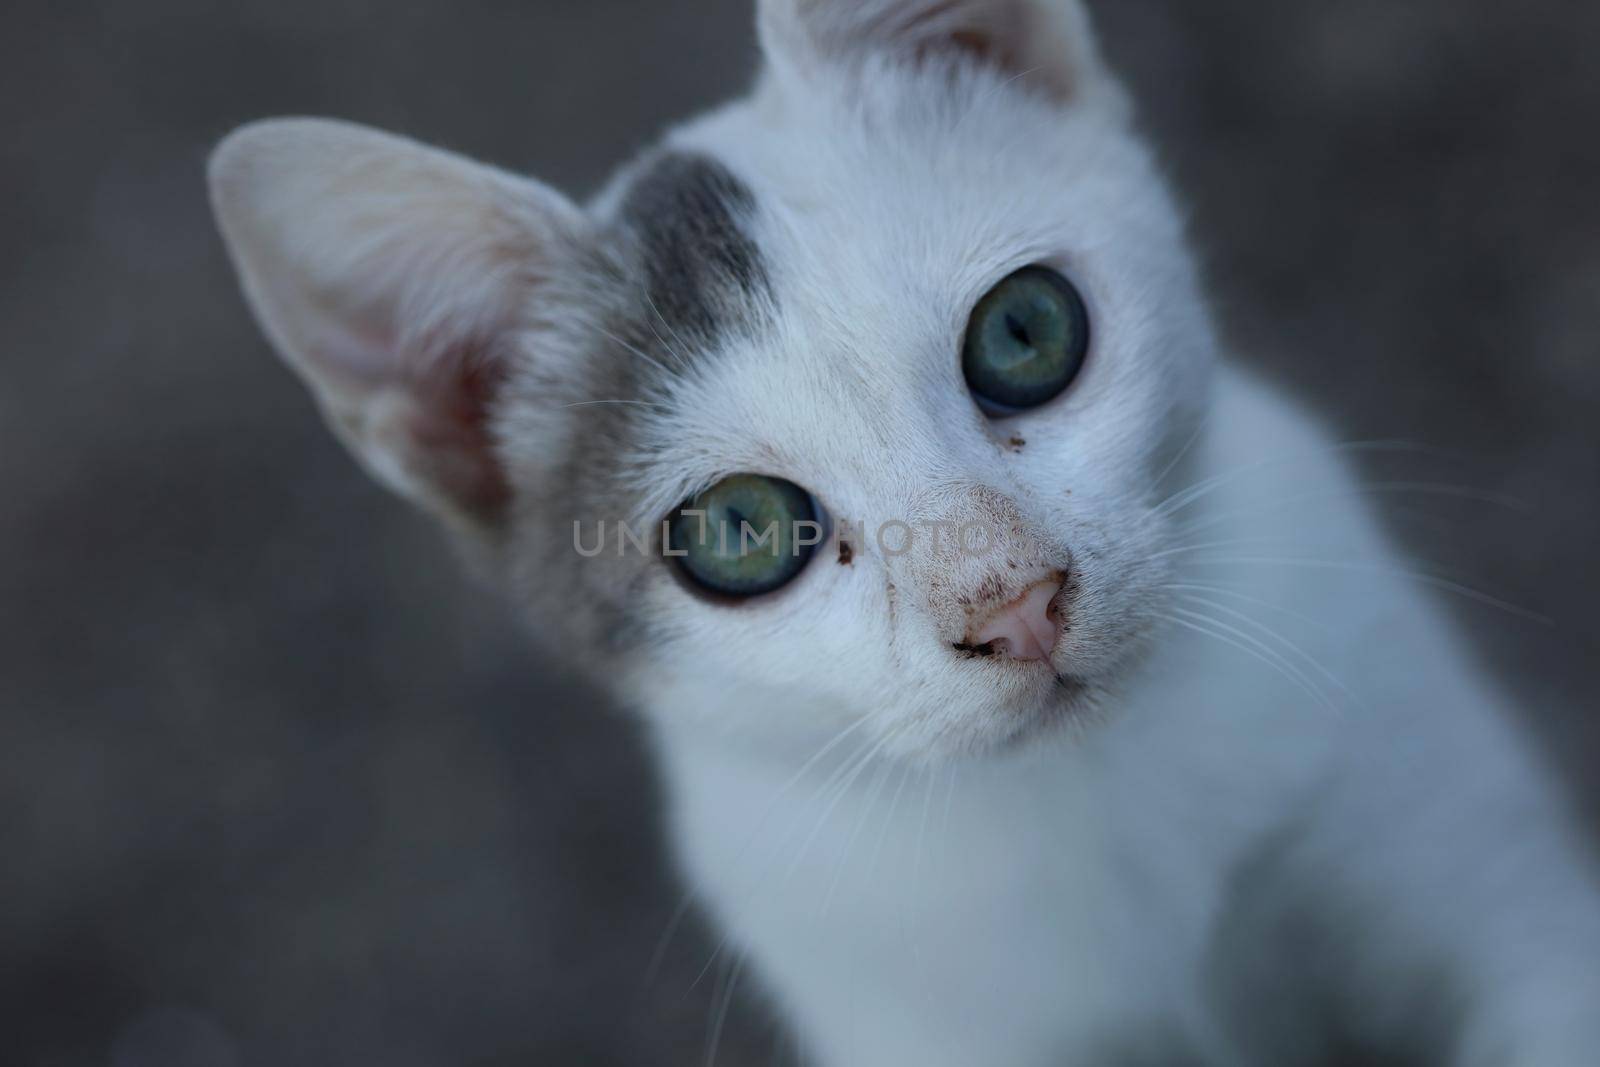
[812, 636]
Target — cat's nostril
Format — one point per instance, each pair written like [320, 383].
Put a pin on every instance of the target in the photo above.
[1026, 629]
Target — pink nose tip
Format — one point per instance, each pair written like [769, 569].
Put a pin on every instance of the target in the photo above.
[1025, 629]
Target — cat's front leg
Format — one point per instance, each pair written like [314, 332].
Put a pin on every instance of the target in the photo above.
[1536, 1003]
[1524, 934]
[1466, 905]
[844, 1022]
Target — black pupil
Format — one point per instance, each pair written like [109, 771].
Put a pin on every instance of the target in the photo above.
[1019, 332]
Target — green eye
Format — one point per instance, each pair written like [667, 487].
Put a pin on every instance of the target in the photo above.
[745, 536]
[1026, 340]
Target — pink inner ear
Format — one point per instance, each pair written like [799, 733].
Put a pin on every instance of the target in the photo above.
[1012, 37]
[987, 48]
[995, 38]
[450, 431]
[353, 353]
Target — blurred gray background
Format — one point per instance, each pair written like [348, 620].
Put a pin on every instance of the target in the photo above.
[278, 787]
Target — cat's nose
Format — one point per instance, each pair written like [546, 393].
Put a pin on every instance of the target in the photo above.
[1025, 629]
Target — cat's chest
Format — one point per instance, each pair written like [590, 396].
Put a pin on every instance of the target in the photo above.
[1023, 895]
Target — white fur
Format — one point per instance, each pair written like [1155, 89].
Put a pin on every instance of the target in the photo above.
[931, 859]
[1025, 908]
[1029, 908]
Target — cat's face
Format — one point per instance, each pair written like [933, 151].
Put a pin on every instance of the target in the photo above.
[819, 287]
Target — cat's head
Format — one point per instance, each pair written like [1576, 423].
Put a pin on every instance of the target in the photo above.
[923, 286]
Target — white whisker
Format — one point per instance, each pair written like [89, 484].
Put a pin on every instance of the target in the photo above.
[1285, 642]
[1362, 566]
[1211, 628]
[879, 781]
[917, 869]
[854, 760]
[839, 793]
[722, 1009]
[683, 360]
[591, 403]
[687, 903]
[653, 361]
[1222, 590]
[1172, 465]
[1459, 492]
[1232, 542]
[1185, 497]
[888, 819]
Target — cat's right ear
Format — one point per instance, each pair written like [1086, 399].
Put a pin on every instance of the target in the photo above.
[397, 280]
[1048, 44]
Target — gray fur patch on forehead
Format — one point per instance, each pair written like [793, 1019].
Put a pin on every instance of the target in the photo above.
[687, 216]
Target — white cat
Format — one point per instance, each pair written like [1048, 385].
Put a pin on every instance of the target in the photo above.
[1077, 797]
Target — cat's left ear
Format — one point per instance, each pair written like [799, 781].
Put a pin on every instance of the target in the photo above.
[1044, 43]
[396, 279]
